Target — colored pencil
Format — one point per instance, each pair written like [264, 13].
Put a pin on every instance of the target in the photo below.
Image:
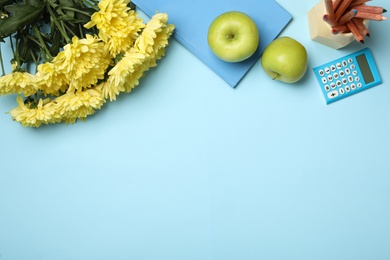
[355, 31]
[340, 29]
[347, 16]
[359, 2]
[370, 16]
[336, 4]
[330, 10]
[370, 9]
[342, 8]
[327, 19]
[359, 23]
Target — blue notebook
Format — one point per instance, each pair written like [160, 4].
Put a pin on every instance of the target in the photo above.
[193, 18]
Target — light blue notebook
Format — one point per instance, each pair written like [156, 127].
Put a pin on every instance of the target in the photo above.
[193, 18]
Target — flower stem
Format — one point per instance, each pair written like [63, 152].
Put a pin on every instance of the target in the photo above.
[2, 63]
[66, 27]
[92, 3]
[75, 10]
[14, 52]
[35, 59]
[42, 42]
[57, 24]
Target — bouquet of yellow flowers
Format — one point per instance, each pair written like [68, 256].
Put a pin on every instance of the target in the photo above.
[85, 54]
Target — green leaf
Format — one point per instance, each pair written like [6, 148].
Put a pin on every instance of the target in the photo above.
[20, 16]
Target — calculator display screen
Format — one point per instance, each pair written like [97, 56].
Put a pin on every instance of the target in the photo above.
[365, 68]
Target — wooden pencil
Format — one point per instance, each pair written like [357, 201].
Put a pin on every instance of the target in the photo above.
[330, 10]
[370, 16]
[347, 16]
[370, 9]
[340, 29]
[336, 4]
[359, 2]
[342, 8]
[355, 31]
[359, 23]
[327, 19]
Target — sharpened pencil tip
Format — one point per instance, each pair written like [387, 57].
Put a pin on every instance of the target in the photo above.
[368, 35]
[384, 10]
[362, 42]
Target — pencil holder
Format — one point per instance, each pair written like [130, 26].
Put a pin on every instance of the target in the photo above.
[321, 32]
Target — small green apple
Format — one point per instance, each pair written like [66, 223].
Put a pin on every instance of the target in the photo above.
[233, 36]
[285, 59]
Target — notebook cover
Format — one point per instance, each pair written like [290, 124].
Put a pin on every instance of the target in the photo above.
[193, 18]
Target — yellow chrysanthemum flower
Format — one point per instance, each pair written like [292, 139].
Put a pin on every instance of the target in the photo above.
[19, 83]
[123, 80]
[118, 75]
[155, 35]
[45, 112]
[132, 80]
[161, 40]
[118, 26]
[79, 105]
[148, 48]
[50, 79]
[83, 62]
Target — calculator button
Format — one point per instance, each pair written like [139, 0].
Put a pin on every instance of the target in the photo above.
[357, 79]
[333, 85]
[353, 86]
[345, 81]
[333, 94]
[338, 83]
[324, 80]
[330, 78]
[350, 78]
[338, 65]
[344, 63]
[321, 73]
[353, 67]
[347, 71]
[348, 88]
[333, 68]
[327, 70]
[327, 88]
[354, 72]
[341, 90]
[342, 74]
[350, 60]
[336, 76]
[359, 85]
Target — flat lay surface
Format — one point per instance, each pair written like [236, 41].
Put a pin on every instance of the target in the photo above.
[187, 167]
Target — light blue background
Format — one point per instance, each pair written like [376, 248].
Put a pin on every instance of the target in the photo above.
[186, 167]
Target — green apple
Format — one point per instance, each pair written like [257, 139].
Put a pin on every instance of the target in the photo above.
[233, 36]
[285, 59]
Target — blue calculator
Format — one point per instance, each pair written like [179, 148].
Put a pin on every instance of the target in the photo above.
[347, 75]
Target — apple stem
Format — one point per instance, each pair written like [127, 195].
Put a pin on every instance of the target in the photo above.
[230, 36]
